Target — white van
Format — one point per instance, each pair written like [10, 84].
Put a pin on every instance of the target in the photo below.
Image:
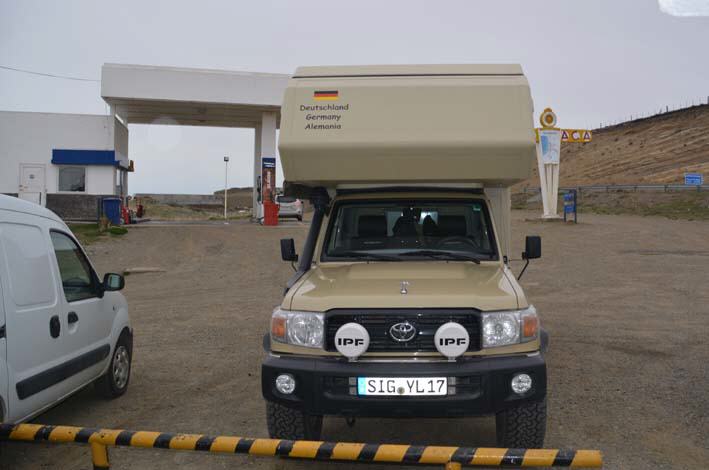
[61, 327]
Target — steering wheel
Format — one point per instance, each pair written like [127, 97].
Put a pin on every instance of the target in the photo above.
[457, 239]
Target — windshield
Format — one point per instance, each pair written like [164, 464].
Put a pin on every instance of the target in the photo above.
[403, 230]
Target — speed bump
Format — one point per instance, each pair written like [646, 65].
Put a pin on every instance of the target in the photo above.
[450, 457]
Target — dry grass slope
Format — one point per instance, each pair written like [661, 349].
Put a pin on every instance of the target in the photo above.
[655, 150]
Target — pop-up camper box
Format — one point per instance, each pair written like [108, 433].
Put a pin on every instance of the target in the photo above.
[403, 303]
[446, 125]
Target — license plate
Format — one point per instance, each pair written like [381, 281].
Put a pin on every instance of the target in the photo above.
[402, 386]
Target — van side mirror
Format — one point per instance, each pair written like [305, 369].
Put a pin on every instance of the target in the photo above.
[113, 282]
[532, 247]
[288, 250]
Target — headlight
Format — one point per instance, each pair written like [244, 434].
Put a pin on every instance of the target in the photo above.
[297, 328]
[513, 327]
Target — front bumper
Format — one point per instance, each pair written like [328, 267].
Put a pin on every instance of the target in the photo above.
[324, 386]
[290, 213]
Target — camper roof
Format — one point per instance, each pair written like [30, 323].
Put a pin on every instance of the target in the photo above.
[407, 125]
[410, 70]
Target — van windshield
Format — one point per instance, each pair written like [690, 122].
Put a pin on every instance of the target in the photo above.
[404, 230]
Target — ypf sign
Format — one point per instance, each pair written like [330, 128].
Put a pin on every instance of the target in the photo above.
[268, 179]
[549, 139]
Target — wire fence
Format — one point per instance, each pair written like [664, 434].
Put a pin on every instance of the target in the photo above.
[663, 110]
[627, 188]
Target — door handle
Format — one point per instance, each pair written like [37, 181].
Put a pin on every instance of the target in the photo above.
[54, 326]
[72, 317]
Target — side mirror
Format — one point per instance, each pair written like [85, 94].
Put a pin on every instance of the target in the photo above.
[113, 282]
[288, 250]
[532, 247]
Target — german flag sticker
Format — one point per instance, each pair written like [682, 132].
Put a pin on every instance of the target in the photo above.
[326, 95]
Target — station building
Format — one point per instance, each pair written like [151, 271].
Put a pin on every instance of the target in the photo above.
[65, 162]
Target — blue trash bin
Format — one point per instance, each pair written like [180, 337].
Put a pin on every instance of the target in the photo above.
[112, 209]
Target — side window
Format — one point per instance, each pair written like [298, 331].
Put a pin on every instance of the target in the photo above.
[77, 278]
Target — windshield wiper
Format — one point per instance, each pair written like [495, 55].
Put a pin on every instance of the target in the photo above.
[442, 255]
[365, 255]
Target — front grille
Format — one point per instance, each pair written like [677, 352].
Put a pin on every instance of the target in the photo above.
[426, 321]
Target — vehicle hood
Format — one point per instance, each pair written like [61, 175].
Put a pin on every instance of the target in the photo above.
[431, 284]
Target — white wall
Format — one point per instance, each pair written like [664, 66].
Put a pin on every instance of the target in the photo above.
[30, 138]
[120, 142]
[100, 179]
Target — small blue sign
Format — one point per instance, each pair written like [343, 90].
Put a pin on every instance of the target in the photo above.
[693, 179]
[569, 203]
[268, 162]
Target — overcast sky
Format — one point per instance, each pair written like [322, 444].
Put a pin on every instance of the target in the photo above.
[592, 61]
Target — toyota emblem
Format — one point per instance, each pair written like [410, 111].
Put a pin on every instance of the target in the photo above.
[402, 332]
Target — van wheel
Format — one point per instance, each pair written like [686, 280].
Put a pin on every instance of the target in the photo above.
[522, 427]
[300, 218]
[292, 424]
[114, 382]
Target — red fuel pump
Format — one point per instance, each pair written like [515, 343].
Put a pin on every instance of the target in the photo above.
[270, 213]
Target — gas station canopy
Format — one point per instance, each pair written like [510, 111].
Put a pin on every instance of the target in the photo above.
[142, 94]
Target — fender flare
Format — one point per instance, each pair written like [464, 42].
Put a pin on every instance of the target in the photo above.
[544, 340]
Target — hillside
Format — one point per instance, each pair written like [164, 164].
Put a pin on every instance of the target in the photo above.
[658, 149]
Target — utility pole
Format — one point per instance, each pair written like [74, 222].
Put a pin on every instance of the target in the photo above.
[226, 174]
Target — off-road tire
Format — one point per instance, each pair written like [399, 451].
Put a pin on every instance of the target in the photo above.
[292, 424]
[522, 427]
[107, 386]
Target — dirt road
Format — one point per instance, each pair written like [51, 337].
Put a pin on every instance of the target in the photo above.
[625, 299]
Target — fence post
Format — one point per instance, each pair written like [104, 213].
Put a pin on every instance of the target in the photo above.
[99, 456]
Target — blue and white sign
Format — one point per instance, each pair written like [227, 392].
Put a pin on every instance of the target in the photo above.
[693, 179]
[569, 203]
[550, 141]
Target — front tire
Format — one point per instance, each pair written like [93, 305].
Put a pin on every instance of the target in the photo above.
[292, 424]
[114, 382]
[522, 427]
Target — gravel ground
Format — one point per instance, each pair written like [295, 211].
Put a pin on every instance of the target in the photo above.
[625, 300]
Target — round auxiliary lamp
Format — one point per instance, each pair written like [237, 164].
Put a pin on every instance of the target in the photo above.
[451, 340]
[352, 340]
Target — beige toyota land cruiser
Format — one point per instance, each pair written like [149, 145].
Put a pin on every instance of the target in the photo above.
[403, 303]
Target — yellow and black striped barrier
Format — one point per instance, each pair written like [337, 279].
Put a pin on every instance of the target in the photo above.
[452, 457]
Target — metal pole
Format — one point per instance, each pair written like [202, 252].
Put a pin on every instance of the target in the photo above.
[226, 174]
[99, 456]
[576, 208]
